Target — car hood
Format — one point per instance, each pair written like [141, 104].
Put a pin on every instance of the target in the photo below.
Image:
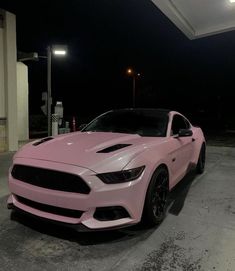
[83, 149]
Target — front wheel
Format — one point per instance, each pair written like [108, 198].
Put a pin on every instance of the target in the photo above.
[201, 160]
[156, 197]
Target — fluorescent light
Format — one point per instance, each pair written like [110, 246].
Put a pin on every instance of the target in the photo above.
[59, 52]
[232, 1]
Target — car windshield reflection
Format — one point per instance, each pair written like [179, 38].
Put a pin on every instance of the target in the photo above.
[144, 122]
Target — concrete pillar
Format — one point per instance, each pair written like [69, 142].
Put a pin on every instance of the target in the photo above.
[8, 89]
[2, 88]
[22, 101]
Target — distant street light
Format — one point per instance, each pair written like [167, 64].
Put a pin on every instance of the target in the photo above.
[134, 75]
[129, 71]
[57, 50]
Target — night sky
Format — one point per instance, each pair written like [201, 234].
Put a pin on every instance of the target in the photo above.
[106, 37]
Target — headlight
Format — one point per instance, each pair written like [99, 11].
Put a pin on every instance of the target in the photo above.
[121, 176]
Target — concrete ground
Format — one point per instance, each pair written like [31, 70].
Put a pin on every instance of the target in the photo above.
[197, 234]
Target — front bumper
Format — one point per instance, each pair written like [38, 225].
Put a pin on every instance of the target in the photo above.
[129, 195]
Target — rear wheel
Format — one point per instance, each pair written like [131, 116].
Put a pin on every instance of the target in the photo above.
[156, 197]
[201, 160]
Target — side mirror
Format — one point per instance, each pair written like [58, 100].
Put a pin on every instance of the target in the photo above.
[185, 132]
[82, 126]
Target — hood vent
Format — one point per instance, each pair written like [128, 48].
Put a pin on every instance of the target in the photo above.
[42, 141]
[114, 148]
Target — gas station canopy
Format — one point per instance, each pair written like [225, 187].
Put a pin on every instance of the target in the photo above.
[199, 18]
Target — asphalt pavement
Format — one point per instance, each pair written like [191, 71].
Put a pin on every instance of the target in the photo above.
[197, 234]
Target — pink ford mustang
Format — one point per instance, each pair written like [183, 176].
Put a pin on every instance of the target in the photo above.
[115, 172]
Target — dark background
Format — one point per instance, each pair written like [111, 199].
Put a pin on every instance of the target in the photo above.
[106, 37]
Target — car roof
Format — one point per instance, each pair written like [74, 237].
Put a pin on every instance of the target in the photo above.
[159, 110]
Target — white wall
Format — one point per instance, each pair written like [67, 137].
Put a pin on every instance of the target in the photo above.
[22, 101]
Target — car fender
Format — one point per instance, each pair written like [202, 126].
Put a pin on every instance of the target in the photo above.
[144, 159]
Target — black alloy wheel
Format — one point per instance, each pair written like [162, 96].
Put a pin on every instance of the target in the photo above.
[156, 197]
[201, 160]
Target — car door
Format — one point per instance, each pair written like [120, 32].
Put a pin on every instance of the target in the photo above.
[182, 148]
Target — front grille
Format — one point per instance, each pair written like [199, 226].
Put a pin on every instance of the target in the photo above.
[50, 209]
[50, 179]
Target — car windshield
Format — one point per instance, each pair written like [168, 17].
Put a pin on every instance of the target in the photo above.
[151, 123]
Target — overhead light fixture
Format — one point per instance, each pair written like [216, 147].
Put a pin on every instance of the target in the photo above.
[232, 1]
[59, 50]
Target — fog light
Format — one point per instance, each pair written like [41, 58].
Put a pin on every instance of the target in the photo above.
[10, 206]
[110, 213]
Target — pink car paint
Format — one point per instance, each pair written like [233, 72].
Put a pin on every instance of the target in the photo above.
[76, 153]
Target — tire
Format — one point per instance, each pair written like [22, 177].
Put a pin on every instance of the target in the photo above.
[156, 198]
[201, 160]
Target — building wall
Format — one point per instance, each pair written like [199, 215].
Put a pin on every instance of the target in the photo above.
[22, 102]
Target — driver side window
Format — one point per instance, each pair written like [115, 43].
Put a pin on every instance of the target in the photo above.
[178, 123]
